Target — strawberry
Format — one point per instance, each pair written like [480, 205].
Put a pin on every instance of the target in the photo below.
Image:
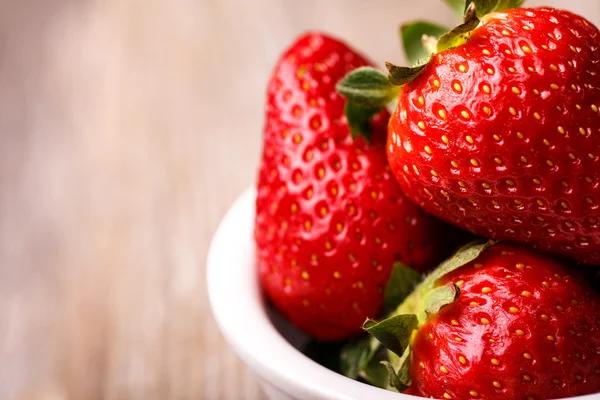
[506, 323]
[330, 218]
[500, 132]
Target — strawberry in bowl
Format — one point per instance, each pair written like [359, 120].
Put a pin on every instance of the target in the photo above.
[499, 131]
[331, 220]
[496, 321]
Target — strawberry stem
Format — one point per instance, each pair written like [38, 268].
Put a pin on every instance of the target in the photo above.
[461, 33]
[416, 302]
[489, 6]
[402, 75]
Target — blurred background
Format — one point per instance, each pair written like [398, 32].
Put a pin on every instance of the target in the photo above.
[127, 128]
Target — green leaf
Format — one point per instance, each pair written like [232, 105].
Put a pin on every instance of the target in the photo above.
[374, 372]
[361, 358]
[413, 304]
[394, 379]
[368, 92]
[394, 332]
[463, 256]
[457, 5]
[401, 283]
[404, 371]
[440, 297]
[401, 75]
[359, 119]
[489, 6]
[412, 38]
[368, 88]
[398, 369]
[355, 355]
[461, 33]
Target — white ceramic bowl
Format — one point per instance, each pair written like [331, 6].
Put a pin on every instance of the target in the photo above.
[265, 342]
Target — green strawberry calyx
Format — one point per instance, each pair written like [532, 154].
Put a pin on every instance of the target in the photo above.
[395, 332]
[461, 33]
[362, 358]
[368, 90]
[485, 7]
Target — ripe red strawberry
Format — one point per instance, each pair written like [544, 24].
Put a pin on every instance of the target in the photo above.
[331, 219]
[522, 327]
[501, 134]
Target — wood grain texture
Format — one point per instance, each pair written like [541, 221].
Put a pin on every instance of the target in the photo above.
[126, 130]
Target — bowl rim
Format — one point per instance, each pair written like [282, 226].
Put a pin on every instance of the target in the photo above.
[240, 313]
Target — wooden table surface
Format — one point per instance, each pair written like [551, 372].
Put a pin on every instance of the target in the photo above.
[127, 127]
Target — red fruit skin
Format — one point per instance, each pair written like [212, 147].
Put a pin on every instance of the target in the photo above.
[522, 328]
[501, 135]
[331, 219]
